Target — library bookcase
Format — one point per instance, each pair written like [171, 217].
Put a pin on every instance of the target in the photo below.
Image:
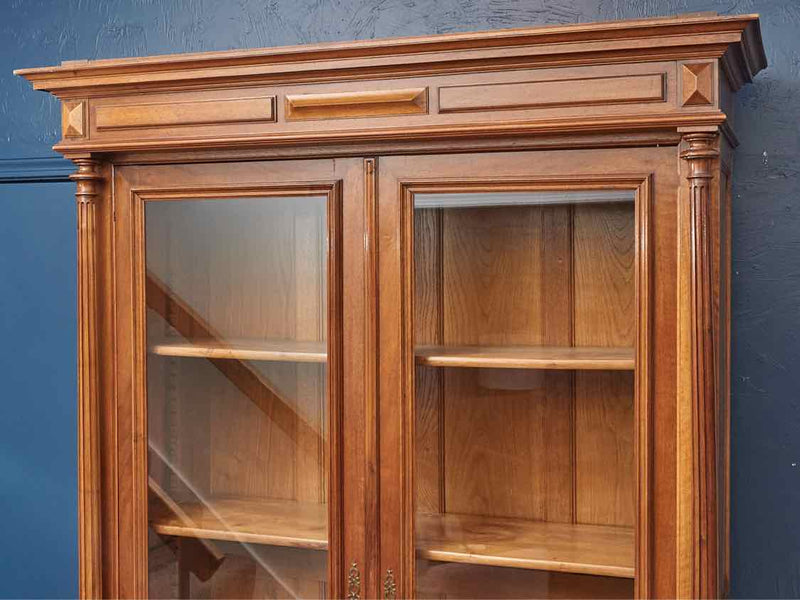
[438, 317]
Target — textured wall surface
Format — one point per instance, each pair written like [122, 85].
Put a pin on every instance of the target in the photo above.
[37, 405]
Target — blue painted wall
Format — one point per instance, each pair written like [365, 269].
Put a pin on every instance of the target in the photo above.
[38, 553]
[37, 249]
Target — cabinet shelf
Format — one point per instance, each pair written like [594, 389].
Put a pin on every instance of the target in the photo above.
[527, 357]
[467, 539]
[268, 522]
[264, 350]
[496, 357]
[503, 542]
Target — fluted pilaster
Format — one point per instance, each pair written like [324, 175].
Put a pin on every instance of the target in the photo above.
[89, 181]
[701, 155]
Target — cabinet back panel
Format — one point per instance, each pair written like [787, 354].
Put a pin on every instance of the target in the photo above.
[251, 269]
[452, 581]
[542, 445]
[604, 316]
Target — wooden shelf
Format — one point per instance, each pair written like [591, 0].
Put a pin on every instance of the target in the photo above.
[269, 522]
[499, 542]
[265, 350]
[527, 357]
[496, 357]
[466, 539]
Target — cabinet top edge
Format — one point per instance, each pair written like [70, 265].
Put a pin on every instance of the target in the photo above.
[643, 39]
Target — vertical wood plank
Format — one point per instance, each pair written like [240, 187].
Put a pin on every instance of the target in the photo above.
[429, 384]
[497, 291]
[605, 315]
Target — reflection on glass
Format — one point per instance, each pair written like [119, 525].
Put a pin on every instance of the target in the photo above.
[236, 387]
[524, 330]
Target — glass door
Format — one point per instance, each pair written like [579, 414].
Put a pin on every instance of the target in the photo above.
[521, 382]
[231, 281]
[524, 330]
[236, 292]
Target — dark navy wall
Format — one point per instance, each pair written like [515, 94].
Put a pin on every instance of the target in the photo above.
[37, 249]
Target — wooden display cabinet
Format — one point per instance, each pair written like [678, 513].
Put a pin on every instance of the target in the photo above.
[439, 317]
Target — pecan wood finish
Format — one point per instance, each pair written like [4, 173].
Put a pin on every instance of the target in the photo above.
[441, 316]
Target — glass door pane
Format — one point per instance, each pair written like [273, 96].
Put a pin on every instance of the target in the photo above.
[525, 325]
[236, 397]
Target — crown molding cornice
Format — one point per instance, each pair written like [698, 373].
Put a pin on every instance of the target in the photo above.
[735, 39]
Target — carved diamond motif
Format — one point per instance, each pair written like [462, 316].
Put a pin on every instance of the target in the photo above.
[72, 119]
[698, 83]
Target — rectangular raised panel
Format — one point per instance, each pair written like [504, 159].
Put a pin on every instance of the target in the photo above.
[171, 114]
[357, 104]
[561, 92]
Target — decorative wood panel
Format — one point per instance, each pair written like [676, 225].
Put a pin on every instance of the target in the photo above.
[563, 92]
[171, 114]
[338, 105]
[73, 119]
[337, 81]
[697, 83]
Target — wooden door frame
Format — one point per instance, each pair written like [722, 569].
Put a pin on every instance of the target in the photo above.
[122, 414]
[396, 329]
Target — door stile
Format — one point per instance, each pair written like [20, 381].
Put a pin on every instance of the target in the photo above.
[396, 377]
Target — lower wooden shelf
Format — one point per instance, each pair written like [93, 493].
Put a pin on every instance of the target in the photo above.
[268, 522]
[501, 542]
[468, 539]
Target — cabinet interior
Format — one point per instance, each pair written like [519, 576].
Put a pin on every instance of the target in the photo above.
[237, 318]
[525, 324]
[524, 327]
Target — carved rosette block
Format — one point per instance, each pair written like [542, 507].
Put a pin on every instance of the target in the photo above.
[88, 180]
[701, 154]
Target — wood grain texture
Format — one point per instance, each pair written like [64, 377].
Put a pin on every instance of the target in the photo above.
[495, 292]
[73, 119]
[307, 481]
[466, 581]
[429, 382]
[480, 301]
[604, 315]
[278, 351]
[701, 155]
[88, 180]
[558, 246]
[526, 357]
[229, 110]
[524, 544]
[269, 522]
[425, 59]
[411, 54]
[564, 92]
[697, 83]
[356, 104]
